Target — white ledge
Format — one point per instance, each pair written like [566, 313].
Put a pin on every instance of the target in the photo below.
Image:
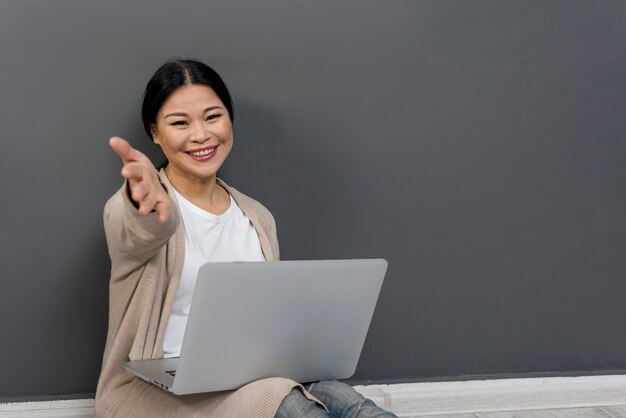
[434, 398]
[431, 398]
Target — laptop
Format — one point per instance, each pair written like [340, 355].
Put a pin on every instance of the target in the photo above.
[303, 320]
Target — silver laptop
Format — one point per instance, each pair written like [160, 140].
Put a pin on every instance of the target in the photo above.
[304, 320]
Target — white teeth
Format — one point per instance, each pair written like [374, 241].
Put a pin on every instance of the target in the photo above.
[203, 152]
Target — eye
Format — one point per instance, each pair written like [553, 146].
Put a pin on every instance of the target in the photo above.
[179, 123]
[213, 116]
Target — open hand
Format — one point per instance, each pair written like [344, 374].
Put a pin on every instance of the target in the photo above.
[145, 186]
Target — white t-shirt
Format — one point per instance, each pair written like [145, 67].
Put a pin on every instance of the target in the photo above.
[208, 237]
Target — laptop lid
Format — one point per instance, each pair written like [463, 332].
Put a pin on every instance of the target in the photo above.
[304, 320]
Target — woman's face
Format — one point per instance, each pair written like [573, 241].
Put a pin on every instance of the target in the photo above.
[194, 131]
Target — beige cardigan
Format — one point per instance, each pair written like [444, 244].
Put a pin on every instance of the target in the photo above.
[146, 264]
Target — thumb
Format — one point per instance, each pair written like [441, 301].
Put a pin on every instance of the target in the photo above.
[123, 149]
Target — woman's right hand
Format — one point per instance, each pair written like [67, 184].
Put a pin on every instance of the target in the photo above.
[145, 186]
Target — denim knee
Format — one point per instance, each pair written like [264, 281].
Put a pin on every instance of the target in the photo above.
[343, 401]
[296, 405]
[330, 389]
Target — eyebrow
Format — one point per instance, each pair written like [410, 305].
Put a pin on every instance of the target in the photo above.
[184, 114]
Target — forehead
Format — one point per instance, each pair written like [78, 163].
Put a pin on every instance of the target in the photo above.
[191, 97]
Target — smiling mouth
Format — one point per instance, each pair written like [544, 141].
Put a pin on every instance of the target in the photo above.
[203, 153]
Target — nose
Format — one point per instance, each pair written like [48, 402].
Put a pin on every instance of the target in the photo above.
[199, 133]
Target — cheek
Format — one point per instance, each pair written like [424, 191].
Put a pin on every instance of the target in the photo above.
[223, 129]
[226, 133]
[170, 140]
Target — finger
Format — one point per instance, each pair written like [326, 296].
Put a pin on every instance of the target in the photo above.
[120, 146]
[139, 192]
[133, 171]
[123, 149]
[163, 210]
[147, 205]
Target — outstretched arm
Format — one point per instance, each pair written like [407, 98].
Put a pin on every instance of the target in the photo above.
[141, 217]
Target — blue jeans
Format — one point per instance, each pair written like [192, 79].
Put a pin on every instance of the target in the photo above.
[341, 400]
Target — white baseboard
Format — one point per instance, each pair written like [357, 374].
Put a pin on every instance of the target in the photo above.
[421, 399]
[48, 409]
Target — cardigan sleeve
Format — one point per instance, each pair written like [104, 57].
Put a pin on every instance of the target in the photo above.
[133, 239]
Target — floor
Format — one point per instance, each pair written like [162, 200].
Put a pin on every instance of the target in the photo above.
[596, 412]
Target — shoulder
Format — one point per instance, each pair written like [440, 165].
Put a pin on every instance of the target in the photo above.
[115, 201]
[114, 207]
[251, 207]
[123, 223]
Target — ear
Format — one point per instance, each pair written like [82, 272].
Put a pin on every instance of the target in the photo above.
[153, 131]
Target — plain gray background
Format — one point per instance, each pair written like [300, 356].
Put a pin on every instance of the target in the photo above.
[478, 146]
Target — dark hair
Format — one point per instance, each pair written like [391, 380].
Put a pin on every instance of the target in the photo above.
[171, 76]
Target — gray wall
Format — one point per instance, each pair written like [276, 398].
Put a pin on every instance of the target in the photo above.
[477, 145]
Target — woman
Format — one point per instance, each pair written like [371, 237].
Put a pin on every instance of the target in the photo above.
[160, 227]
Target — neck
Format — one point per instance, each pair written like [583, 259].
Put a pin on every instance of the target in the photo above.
[202, 192]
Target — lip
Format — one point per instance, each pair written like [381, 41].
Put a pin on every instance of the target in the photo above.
[202, 157]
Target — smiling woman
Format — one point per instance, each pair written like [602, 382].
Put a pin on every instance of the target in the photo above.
[161, 226]
[195, 132]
